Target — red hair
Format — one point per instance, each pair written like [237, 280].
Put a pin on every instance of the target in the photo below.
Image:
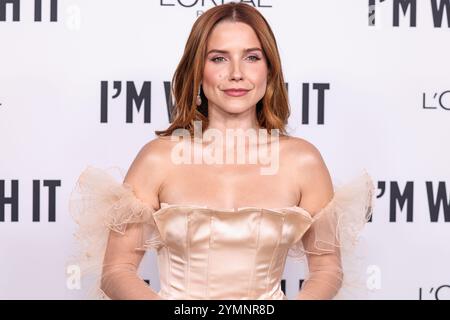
[272, 110]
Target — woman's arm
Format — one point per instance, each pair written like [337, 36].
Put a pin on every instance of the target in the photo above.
[120, 279]
[325, 277]
[325, 269]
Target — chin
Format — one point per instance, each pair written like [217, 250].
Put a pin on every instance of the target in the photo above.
[237, 109]
[236, 106]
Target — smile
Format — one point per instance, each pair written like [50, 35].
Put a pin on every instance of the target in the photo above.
[236, 93]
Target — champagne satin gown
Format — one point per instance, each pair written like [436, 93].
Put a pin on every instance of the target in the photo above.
[220, 253]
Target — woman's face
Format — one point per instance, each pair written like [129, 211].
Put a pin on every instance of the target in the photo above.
[229, 65]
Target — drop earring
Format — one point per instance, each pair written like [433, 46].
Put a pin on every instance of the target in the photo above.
[198, 101]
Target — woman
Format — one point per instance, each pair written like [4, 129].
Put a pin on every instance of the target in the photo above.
[222, 230]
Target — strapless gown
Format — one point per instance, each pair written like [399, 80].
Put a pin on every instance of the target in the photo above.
[214, 253]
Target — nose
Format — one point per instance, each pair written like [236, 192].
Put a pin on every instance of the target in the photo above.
[235, 73]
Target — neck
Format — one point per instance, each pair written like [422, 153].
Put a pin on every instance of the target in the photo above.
[222, 121]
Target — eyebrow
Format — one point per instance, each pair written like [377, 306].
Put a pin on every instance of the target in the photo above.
[224, 51]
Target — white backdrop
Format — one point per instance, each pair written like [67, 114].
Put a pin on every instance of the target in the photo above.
[387, 109]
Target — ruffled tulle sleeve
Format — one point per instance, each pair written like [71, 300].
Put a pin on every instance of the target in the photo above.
[101, 203]
[335, 269]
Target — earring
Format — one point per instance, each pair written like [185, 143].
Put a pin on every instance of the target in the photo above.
[198, 101]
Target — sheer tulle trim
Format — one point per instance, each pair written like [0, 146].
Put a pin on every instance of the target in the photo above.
[335, 235]
[101, 203]
[340, 222]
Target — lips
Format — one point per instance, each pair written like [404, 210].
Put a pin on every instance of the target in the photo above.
[236, 92]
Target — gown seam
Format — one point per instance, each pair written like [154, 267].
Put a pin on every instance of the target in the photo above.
[252, 271]
[188, 253]
[169, 271]
[209, 255]
[269, 271]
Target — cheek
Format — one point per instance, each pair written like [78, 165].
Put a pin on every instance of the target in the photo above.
[212, 76]
[260, 78]
[258, 73]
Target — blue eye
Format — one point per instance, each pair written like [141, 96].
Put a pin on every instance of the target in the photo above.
[252, 58]
[256, 58]
[215, 59]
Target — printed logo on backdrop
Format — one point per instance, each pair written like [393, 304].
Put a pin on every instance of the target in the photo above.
[441, 292]
[136, 99]
[206, 4]
[16, 7]
[406, 12]
[42, 190]
[210, 3]
[43, 11]
[308, 103]
[436, 100]
[435, 195]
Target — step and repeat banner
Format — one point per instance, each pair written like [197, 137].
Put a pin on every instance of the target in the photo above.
[86, 82]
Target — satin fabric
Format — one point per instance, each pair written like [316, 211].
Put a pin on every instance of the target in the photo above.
[225, 254]
[211, 253]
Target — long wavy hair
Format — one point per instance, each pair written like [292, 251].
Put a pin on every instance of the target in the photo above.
[272, 110]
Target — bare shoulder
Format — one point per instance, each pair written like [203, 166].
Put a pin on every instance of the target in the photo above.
[300, 151]
[148, 170]
[315, 183]
[156, 150]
